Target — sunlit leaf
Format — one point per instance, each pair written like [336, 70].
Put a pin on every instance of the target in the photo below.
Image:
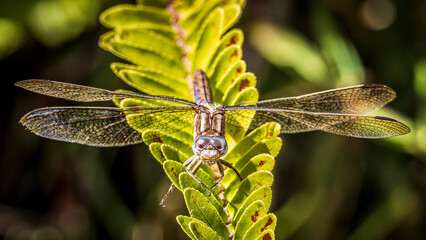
[208, 35]
[202, 231]
[257, 163]
[251, 215]
[225, 59]
[253, 182]
[200, 208]
[184, 224]
[228, 78]
[134, 15]
[263, 194]
[173, 169]
[244, 81]
[267, 222]
[267, 234]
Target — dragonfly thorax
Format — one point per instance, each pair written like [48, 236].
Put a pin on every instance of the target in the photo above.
[209, 120]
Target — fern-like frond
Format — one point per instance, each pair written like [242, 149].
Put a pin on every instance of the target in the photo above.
[163, 45]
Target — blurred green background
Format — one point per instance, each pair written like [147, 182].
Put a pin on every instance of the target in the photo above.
[326, 186]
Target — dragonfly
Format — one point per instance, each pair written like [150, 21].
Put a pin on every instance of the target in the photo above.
[339, 111]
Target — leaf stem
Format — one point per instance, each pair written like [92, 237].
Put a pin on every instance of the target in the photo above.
[180, 41]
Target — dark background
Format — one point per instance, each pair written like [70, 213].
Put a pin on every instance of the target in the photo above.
[326, 186]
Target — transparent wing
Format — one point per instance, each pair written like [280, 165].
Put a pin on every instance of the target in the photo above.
[105, 126]
[81, 93]
[300, 121]
[359, 99]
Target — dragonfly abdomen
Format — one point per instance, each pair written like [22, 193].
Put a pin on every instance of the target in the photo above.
[201, 92]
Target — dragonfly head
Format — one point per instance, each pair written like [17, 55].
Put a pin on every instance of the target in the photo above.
[210, 148]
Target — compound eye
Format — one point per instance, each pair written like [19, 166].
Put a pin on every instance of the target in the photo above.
[220, 144]
[201, 142]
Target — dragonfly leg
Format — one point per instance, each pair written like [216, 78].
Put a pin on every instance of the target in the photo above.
[172, 187]
[231, 167]
[190, 160]
[194, 170]
[222, 174]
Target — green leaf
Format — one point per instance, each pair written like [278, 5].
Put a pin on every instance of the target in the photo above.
[271, 146]
[250, 216]
[248, 95]
[266, 235]
[154, 85]
[131, 15]
[221, 64]
[184, 224]
[141, 55]
[144, 36]
[244, 81]
[140, 77]
[257, 163]
[160, 137]
[266, 131]
[233, 37]
[172, 153]
[163, 152]
[157, 73]
[155, 149]
[173, 169]
[232, 14]
[187, 181]
[202, 231]
[267, 222]
[195, 17]
[228, 78]
[263, 194]
[200, 208]
[149, 39]
[208, 35]
[253, 182]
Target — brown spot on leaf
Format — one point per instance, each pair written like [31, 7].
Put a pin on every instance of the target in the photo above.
[174, 172]
[239, 70]
[233, 56]
[261, 163]
[214, 26]
[155, 138]
[162, 155]
[232, 41]
[267, 225]
[126, 34]
[232, 80]
[255, 216]
[244, 84]
[267, 237]
[196, 230]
